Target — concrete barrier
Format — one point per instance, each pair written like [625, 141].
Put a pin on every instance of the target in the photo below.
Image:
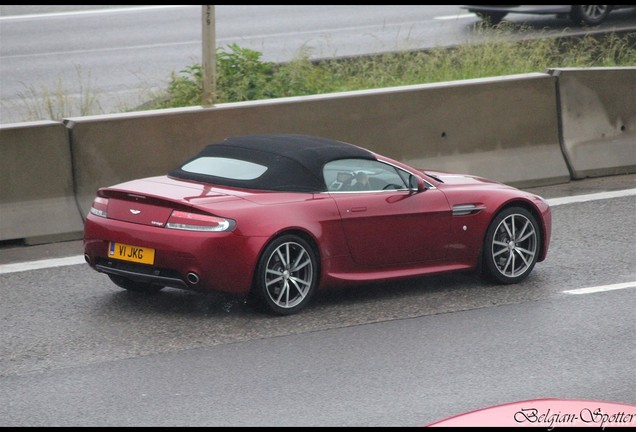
[526, 130]
[598, 120]
[505, 128]
[37, 200]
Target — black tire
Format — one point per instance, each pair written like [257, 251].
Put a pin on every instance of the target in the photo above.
[511, 247]
[286, 276]
[589, 14]
[491, 18]
[130, 285]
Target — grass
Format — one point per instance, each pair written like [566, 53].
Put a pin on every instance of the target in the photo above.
[59, 102]
[241, 75]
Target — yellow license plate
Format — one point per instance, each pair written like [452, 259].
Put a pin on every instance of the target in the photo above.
[136, 254]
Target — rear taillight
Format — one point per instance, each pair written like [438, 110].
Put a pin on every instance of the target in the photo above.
[197, 222]
[100, 207]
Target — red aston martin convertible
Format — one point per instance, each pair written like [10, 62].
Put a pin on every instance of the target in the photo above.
[276, 217]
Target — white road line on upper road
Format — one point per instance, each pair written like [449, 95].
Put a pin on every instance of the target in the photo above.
[89, 12]
[596, 289]
[144, 8]
[79, 259]
[451, 17]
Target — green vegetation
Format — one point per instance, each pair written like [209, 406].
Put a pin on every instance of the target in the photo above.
[56, 103]
[242, 76]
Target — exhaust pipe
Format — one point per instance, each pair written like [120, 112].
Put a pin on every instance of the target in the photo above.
[87, 259]
[193, 278]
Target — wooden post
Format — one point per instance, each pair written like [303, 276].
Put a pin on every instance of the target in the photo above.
[208, 55]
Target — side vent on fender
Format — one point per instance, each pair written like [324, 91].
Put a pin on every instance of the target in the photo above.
[466, 209]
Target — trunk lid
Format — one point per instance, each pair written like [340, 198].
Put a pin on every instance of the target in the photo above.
[151, 201]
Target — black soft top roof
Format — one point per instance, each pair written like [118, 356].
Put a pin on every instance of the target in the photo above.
[294, 162]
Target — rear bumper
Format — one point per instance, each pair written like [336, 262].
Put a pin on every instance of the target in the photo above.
[222, 262]
[142, 274]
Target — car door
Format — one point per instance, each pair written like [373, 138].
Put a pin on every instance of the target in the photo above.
[387, 224]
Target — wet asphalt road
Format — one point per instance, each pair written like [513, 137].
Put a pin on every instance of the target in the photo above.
[77, 351]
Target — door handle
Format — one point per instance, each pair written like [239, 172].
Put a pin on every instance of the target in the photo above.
[358, 209]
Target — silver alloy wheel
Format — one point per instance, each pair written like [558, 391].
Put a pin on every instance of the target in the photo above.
[289, 274]
[594, 12]
[514, 245]
[590, 14]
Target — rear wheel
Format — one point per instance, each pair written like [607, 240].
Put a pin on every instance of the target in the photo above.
[511, 246]
[589, 14]
[132, 285]
[286, 276]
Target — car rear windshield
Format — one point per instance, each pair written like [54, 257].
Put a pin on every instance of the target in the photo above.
[236, 167]
[228, 168]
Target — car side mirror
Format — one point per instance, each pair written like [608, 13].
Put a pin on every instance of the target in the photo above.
[415, 183]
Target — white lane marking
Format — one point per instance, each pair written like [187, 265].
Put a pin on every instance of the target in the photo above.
[451, 17]
[591, 197]
[79, 259]
[40, 264]
[89, 12]
[602, 288]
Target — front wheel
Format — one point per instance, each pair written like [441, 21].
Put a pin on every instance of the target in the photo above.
[589, 14]
[286, 275]
[511, 246]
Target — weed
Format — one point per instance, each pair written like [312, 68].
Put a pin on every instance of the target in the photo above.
[242, 75]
